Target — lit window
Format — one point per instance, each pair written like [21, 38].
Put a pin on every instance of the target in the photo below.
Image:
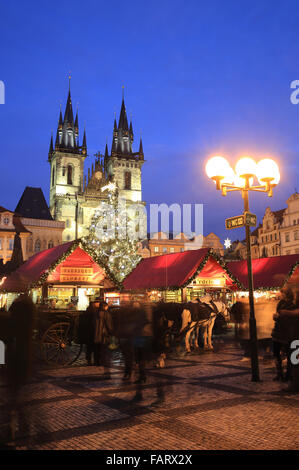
[156, 249]
[172, 249]
[10, 243]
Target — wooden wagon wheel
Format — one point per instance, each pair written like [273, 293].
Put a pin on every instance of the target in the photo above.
[58, 346]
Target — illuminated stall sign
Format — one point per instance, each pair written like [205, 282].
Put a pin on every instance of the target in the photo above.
[76, 274]
[209, 282]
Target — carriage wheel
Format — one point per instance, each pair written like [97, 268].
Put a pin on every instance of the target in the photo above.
[58, 346]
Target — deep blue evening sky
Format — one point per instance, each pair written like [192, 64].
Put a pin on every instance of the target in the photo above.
[201, 78]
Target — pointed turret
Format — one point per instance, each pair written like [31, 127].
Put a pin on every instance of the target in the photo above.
[141, 154]
[84, 146]
[60, 122]
[123, 120]
[57, 140]
[131, 131]
[76, 123]
[51, 145]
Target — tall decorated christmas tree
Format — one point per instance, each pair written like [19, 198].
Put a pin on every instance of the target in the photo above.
[110, 240]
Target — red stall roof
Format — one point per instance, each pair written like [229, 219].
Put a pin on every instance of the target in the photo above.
[176, 270]
[267, 272]
[46, 264]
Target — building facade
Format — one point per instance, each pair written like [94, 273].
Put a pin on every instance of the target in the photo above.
[277, 235]
[36, 218]
[289, 232]
[10, 224]
[75, 197]
[161, 243]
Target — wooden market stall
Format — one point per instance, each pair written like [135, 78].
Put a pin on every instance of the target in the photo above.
[181, 276]
[66, 276]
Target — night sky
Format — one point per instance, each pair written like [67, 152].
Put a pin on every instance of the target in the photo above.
[200, 77]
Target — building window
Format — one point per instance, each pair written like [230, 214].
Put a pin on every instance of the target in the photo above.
[6, 220]
[69, 174]
[53, 176]
[67, 223]
[287, 237]
[275, 236]
[68, 238]
[172, 249]
[50, 244]
[296, 235]
[182, 249]
[271, 237]
[127, 180]
[10, 243]
[156, 249]
[37, 246]
[165, 249]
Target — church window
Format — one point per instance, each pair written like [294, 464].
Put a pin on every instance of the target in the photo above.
[53, 176]
[50, 244]
[127, 180]
[37, 246]
[63, 171]
[69, 174]
[68, 237]
[67, 223]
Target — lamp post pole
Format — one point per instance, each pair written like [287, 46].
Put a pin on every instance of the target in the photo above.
[252, 322]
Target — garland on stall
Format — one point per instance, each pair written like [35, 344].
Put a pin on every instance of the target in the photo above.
[65, 255]
[296, 265]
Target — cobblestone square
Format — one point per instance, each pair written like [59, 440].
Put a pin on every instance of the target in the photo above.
[210, 403]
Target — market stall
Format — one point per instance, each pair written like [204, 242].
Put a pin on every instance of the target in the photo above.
[65, 276]
[181, 276]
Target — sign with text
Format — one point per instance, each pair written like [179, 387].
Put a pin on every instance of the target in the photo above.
[76, 274]
[211, 282]
[234, 222]
[250, 219]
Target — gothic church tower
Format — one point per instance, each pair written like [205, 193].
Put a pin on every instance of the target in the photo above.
[66, 160]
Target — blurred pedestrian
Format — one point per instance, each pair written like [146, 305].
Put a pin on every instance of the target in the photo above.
[86, 330]
[103, 332]
[19, 360]
[280, 340]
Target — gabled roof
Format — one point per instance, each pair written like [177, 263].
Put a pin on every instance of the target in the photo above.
[267, 272]
[33, 204]
[279, 215]
[2, 209]
[176, 270]
[37, 269]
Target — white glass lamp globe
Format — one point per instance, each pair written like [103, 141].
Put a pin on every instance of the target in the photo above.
[267, 171]
[217, 168]
[246, 167]
[229, 178]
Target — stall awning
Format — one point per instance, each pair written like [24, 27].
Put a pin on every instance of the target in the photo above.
[177, 270]
[48, 265]
[267, 272]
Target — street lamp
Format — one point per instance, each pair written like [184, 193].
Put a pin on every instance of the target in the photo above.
[242, 179]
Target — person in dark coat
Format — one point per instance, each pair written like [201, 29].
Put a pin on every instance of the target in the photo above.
[280, 344]
[19, 358]
[127, 318]
[86, 330]
[103, 331]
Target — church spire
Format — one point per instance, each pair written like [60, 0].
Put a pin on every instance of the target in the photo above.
[84, 146]
[51, 145]
[141, 154]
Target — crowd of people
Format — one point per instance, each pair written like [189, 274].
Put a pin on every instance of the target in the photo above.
[142, 333]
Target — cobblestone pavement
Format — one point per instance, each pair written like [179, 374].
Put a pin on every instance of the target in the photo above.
[210, 403]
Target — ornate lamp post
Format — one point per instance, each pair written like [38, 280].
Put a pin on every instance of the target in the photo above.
[242, 179]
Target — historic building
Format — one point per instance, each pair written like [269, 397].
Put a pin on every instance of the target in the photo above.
[289, 232]
[45, 232]
[277, 235]
[10, 224]
[161, 244]
[73, 197]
